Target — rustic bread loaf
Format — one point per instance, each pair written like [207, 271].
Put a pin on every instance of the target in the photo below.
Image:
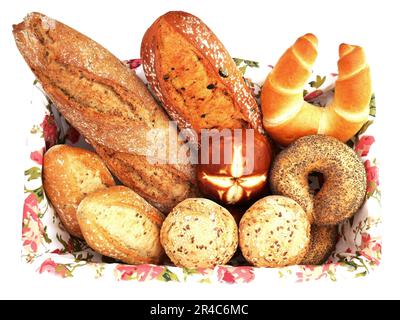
[108, 104]
[69, 175]
[194, 77]
[120, 224]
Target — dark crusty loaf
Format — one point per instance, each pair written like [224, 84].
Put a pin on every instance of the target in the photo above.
[105, 102]
[195, 78]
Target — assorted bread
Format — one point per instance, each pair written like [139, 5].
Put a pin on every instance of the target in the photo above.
[198, 85]
[287, 117]
[108, 104]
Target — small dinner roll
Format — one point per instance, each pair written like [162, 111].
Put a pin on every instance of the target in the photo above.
[120, 224]
[69, 175]
[199, 233]
[274, 232]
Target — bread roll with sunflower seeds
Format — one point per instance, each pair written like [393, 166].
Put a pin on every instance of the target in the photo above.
[199, 233]
[274, 232]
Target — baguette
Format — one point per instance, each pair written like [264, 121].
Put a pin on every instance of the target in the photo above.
[120, 224]
[108, 104]
[193, 76]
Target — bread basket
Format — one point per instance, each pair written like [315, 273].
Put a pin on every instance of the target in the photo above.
[48, 248]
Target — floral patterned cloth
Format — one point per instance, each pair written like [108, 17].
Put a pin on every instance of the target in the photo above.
[50, 249]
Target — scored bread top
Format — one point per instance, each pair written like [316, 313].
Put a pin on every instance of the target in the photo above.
[109, 105]
[194, 77]
[104, 100]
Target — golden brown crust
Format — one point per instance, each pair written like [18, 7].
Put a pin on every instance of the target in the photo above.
[69, 175]
[344, 188]
[323, 242]
[287, 117]
[120, 224]
[274, 232]
[104, 100]
[152, 181]
[199, 233]
[194, 77]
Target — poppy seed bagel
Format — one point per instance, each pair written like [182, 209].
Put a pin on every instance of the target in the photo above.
[344, 188]
[323, 243]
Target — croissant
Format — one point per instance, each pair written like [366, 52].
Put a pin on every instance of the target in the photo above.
[287, 117]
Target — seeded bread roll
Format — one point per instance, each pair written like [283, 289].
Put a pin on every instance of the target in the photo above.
[323, 242]
[274, 232]
[199, 233]
[69, 175]
[120, 224]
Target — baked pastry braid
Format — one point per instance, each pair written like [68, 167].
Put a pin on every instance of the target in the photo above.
[287, 117]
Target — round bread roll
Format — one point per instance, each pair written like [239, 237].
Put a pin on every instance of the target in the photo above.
[344, 188]
[120, 224]
[198, 233]
[323, 242]
[274, 232]
[69, 174]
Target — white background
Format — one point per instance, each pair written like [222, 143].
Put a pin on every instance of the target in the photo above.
[119, 26]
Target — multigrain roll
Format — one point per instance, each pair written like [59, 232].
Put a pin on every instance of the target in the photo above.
[274, 232]
[343, 191]
[69, 175]
[118, 223]
[323, 242]
[199, 233]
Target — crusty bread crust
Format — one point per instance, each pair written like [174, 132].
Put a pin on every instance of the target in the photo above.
[104, 100]
[194, 77]
[120, 224]
[69, 175]
[160, 187]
